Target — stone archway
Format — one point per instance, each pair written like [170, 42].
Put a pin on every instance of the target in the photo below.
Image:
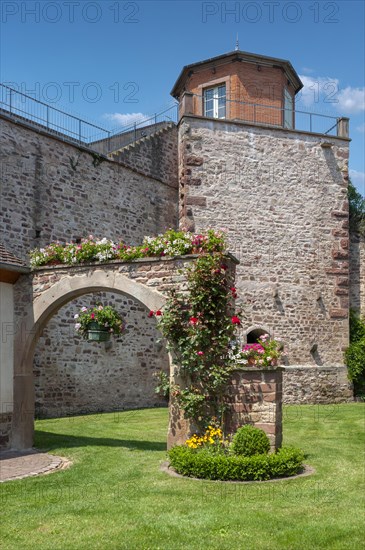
[54, 287]
[41, 294]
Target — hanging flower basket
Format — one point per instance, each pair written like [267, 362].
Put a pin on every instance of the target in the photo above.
[98, 323]
[97, 333]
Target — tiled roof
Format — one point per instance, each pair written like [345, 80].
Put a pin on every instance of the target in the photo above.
[7, 257]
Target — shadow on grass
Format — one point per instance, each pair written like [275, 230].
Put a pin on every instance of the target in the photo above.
[48, 441]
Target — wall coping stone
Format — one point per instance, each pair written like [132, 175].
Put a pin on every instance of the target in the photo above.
[264, 126]
[150, 259]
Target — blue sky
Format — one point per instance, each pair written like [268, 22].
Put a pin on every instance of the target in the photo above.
[112, 61]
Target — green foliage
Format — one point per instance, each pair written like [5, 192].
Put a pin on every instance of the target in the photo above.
[199, 329]
[357, 327]
[287, 461]
[356, 210]
[163, 384]
[355, 354]
[249, 441]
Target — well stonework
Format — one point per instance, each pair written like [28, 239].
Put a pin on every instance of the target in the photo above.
[282, 197]
[255, 397]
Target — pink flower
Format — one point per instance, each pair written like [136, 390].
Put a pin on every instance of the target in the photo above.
[236, 320]
[92, 316]
[200, 352]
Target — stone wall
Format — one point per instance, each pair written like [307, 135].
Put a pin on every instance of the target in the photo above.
[155, 155]
[357, 273]
[51, 190]
[316, 384]
[75, 376]
[282, 196]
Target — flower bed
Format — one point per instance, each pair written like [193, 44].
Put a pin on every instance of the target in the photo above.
[171, 243]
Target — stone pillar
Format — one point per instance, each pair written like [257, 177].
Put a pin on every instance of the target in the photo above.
[186, 106]
[255, 397]
[343, 127]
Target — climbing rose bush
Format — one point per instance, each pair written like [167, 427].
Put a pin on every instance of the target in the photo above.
[198, 325]
[171, 243]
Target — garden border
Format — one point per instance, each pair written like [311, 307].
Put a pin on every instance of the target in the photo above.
[166, 468]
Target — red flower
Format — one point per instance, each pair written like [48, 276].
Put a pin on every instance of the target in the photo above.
[92, 316]
[233, 291]
[193, 320]
[235, 320]
[200, 352]
[158, 313]
[151, 313]
[224, 266]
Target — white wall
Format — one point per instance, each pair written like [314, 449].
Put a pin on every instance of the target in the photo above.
[6, 347]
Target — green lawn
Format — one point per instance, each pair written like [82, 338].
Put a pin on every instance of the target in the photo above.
[115, 497]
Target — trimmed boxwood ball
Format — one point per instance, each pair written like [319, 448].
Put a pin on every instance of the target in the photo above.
[288, 461]
[249, 441]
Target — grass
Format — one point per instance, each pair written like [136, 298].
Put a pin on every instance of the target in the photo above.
[115, 497]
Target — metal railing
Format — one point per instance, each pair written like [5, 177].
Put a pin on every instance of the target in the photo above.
[38, 113]
[144, 127]
[259, 113]
[70, 127]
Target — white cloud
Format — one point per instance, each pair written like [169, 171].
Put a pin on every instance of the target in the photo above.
[126, 119]
[320, 89]
[327, 91]
[351, 100]
[358, 179]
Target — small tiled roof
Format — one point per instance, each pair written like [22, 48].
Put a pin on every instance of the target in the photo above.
[239, 56]
[8, 258]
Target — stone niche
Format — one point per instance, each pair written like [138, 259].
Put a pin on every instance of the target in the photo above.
[255, 397]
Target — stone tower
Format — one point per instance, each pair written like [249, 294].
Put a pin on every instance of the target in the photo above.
[281, 194]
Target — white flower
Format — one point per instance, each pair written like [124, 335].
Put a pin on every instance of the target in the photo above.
[76, 316]
[83, 309]
[77, 326]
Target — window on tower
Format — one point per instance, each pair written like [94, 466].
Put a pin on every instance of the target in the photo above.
[215, 101]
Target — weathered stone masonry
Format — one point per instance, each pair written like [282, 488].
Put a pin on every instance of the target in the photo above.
[54, 190]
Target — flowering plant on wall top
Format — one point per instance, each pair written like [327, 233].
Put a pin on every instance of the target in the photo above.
[265, 353]
[105, 316]
[170, 243]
